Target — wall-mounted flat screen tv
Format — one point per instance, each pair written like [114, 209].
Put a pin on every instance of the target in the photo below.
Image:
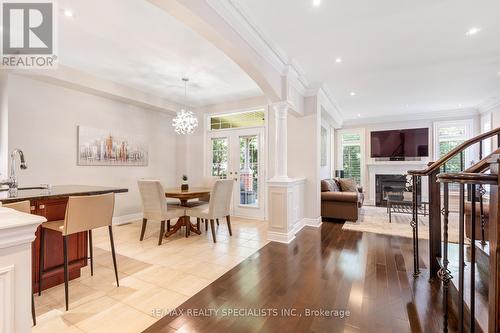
[398, 144]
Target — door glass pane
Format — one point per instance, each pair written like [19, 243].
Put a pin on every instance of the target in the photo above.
[249, 170]
[220, 157]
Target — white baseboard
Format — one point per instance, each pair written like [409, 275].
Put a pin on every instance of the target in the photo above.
[316, 223]
[281, 237]
[117, 220]
[287, 238]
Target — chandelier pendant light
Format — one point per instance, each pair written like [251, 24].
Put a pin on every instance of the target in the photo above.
[185, 122]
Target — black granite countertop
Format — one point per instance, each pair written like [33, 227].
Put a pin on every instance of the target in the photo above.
[58, 192]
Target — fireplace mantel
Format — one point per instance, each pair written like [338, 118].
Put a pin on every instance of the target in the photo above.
[393, 168]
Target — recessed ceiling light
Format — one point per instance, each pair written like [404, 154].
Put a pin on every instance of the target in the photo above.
[498, 73]
[459, 105]
[68, 13]
[316, 3]
[473, 31]
[338, 60]
[352, 93]
[359, 115]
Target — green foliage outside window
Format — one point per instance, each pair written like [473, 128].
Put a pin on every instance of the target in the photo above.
[352, 162]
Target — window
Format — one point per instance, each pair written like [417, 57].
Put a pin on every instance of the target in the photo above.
[220, 157]
[448, 136]
[237, 120]
[351, 155]
[485, 127]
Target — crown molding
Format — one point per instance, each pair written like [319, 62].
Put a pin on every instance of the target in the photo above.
[236, 15]
[434, 115]
[238, 18]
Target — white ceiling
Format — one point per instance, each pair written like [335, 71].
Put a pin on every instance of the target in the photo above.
[134, 43]
[398, 56]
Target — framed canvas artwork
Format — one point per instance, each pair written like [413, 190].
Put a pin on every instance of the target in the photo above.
[109, 147]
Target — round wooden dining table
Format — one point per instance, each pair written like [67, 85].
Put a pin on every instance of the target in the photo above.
[184, 196]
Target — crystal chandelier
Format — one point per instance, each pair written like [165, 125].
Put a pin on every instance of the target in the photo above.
[185, 122]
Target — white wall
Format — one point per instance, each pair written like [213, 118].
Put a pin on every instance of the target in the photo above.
[191, 155]
[43, 120]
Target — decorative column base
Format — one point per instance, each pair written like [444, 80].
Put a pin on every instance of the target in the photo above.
[286, 209]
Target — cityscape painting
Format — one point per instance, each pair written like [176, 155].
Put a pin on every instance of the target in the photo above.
[109, 147]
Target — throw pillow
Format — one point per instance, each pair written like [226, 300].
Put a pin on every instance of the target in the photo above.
[329, 185]
[348, 185]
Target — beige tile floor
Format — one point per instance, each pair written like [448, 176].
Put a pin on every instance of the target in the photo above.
[153, 278]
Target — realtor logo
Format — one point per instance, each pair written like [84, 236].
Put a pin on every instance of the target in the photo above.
[28, 34]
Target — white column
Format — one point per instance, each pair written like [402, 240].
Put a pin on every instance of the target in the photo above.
[17, 231]
[281, 156]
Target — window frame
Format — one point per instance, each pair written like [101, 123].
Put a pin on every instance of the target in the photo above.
[486, 125]
[450, 123]
[233, 112]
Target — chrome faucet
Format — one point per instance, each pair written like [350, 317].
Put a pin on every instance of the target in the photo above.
[12, 181]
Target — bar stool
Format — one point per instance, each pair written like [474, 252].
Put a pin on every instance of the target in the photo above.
[25, 207]
[83, 213]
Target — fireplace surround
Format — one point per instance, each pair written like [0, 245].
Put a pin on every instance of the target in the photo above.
[392, 187]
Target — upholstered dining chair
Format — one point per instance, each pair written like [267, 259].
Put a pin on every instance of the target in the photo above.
[155, 206]
[24, 207]
[83, 213]
[218, 206]
[207, 182]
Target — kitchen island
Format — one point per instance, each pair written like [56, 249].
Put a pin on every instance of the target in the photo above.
[51, 204]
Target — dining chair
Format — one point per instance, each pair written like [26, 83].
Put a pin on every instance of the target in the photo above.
[218, 206]
[25, 207]
[155, 206]
[83, 213]
[207, 182]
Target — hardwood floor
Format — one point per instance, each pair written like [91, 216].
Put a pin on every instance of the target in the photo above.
[366, 275]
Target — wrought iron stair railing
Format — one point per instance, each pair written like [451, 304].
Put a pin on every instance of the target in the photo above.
[468, 180]
[474, 180]
[434, 198]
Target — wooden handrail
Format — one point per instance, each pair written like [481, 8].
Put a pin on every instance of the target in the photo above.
[482, 165]
[468, 178]
[439, 163]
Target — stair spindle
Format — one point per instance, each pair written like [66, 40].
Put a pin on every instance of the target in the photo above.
[444, 274]
[414, 225]
[462, 161]
[482, 192]
[461, 263]
[473, 261]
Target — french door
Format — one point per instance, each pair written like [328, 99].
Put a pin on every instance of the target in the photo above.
[237, 154]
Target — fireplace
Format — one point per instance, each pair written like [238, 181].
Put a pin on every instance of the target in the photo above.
[391, 187]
